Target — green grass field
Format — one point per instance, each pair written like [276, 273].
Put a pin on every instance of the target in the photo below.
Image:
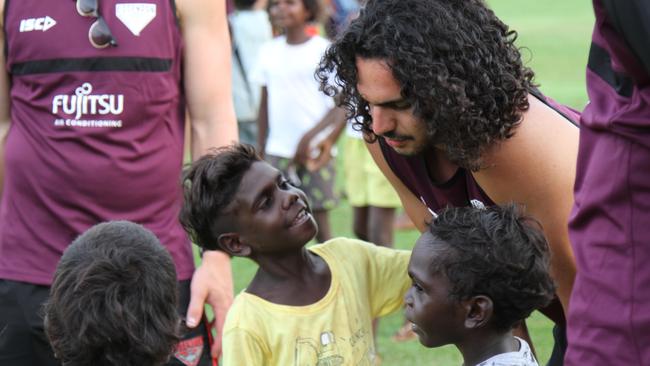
[554, 35]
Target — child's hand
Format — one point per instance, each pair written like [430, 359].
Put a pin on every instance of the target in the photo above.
[320, 155]
[301, 156]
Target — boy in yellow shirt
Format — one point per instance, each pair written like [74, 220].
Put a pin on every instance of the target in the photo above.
[305, 306]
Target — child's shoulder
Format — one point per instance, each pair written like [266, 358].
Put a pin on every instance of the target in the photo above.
[339, 244]
[245, 305]
[352, 249]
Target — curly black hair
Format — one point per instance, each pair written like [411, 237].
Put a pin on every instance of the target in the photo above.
[114, 299]
[455, 61]
[209, 186]
[496, 252]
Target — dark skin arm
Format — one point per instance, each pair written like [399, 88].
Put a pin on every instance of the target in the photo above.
[336, 117]
[263, 122]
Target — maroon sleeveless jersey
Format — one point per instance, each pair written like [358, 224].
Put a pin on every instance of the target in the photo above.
[609, 311]
[96, 134]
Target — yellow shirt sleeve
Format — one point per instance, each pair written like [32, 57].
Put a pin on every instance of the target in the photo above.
[379, 272]
[388, 278]
[241, 348]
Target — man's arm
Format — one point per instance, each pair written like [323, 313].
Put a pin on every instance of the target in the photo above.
[207, 65]
[537, 168]
[4, 103]
[415, 209]
[213, 124]
[263, 122]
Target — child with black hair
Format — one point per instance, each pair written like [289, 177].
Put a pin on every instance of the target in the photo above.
[305, 306]
[113, 301]
[477, 273]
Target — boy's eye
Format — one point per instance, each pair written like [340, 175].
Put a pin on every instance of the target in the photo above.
[416, 287]
[285, 184]
[266, 202]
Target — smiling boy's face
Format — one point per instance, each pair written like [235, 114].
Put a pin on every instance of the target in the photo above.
[435, 317]
[271, 214]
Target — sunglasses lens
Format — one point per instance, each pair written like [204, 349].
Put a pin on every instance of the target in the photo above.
[87, 8]
[99, 34]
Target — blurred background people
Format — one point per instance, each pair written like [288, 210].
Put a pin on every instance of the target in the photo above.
[249, 30]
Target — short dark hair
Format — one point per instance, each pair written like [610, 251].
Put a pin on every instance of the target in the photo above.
[455, 61]
[114, 299]
[496, 252]
[314, 7]
[209, 186]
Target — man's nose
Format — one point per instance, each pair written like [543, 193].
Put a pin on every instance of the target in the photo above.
[382, 120]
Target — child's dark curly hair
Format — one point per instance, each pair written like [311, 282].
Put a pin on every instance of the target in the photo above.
[498, 253]
[455, 61]
[209, 186]
[114, 299]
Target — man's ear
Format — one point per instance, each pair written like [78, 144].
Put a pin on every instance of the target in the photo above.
[231, 244]
[478, 311]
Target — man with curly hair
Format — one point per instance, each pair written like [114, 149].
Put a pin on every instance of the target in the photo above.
[452, 116]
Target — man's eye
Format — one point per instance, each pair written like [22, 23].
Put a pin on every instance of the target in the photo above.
[402, 105]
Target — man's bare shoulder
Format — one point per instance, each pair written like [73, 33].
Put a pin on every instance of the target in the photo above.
[544, 146]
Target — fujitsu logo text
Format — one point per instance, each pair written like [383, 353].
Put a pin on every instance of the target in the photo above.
[85, 103]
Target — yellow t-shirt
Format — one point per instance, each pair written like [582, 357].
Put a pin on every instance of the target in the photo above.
[368, 281]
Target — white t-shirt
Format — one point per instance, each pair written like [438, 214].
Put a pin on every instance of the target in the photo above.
[295, 103]
[523, 357]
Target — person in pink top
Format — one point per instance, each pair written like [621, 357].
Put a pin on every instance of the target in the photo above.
[92, 110]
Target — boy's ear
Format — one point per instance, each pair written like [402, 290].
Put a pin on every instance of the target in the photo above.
[478, 311]
[231, 244]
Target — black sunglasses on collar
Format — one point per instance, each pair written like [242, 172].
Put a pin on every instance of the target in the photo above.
[99, 34]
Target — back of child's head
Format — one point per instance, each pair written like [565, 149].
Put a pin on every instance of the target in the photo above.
[210, 185]
[244, 4]
[496, 252]
[114, 299]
